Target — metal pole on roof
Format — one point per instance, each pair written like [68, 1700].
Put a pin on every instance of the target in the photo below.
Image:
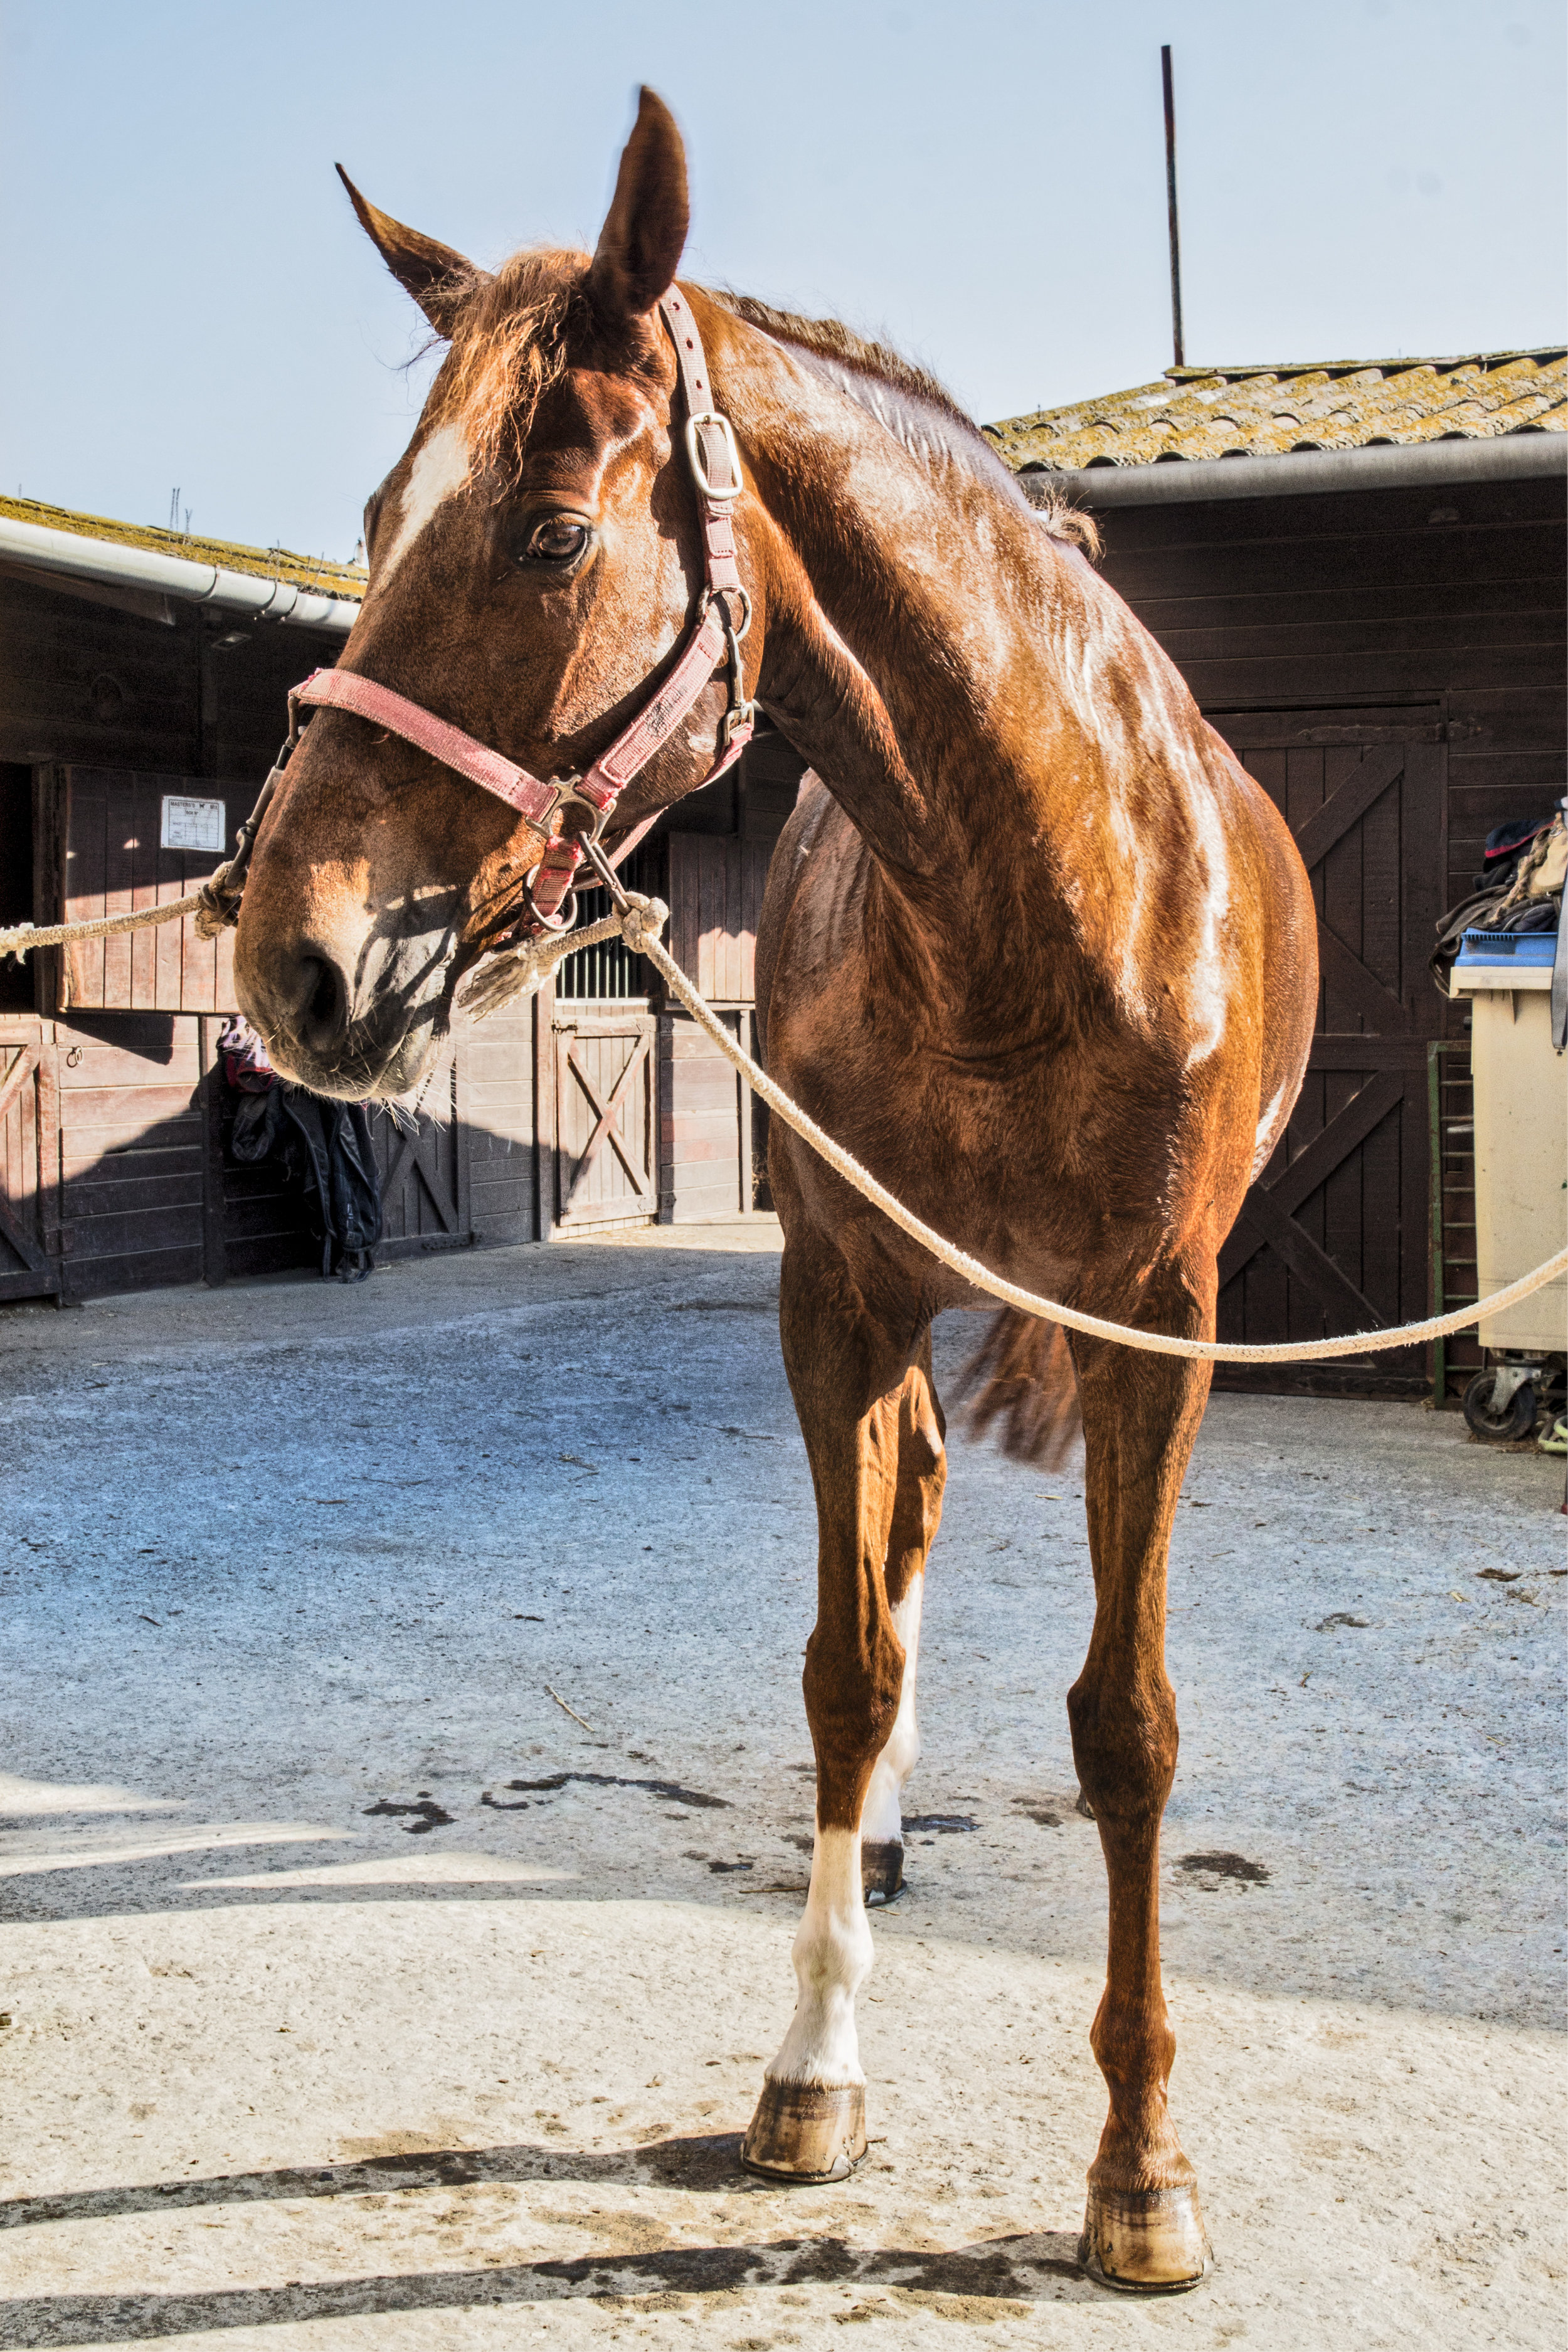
[1176, 337]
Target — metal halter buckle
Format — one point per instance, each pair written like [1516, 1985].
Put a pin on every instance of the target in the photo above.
[568, 796]
[719, 492]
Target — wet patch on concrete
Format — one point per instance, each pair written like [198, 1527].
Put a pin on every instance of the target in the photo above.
[669, 1792]
[429, 1814]
[1226, 1865]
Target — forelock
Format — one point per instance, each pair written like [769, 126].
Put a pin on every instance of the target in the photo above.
[509, 345]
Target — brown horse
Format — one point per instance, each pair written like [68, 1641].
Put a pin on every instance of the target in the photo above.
[1035, 948]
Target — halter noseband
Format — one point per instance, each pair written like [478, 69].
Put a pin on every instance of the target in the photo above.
[714, 636]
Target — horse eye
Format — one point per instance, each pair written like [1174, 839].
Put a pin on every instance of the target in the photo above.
[558, 540]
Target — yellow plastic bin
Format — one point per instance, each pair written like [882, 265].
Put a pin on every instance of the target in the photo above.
[1521, 1158]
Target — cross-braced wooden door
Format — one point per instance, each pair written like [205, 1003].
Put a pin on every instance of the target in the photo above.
[25, 1269]
[425, 1169]
[1334, 1236]
[604, 1117]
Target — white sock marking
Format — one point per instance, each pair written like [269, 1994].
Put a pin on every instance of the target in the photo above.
[437, 474]
[832, 1958]
[881, 1818]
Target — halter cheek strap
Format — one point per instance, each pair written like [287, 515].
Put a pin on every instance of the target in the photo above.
[714, 463]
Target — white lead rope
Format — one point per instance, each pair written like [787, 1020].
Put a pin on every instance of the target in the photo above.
[519, 971]
[641, 925]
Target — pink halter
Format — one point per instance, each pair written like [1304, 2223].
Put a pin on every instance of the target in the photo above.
[715, 465]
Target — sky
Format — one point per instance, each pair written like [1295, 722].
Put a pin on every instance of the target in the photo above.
[189, 303]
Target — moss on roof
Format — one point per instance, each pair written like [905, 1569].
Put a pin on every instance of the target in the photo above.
[261, 562]
[1262, 412]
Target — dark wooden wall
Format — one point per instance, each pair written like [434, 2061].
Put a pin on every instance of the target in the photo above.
[106, 701]
[1452, 597]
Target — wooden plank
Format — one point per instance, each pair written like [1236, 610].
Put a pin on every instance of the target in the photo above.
[123, 1196]
[545, 1086]
[1309, 1264]
[49, 1188]
[1347, 980]
[135, 1269]
[1384, 881]
[1424, 824]
[1480, 786]
[1209, 606]
[1509, 716]
[214, 1230]
[1247, 731]
[1283, 678]
[1342, 904]
[1349, 803]
[1191, 642]
[1298, 557]
[1515, 508]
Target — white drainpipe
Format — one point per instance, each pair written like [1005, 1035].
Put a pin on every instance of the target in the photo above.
[108, 561]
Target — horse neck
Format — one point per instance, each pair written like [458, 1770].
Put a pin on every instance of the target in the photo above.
[914, 617]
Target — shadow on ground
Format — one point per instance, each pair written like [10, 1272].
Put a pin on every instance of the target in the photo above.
[997, 2274]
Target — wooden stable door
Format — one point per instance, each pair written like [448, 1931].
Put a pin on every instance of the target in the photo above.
[1334, 1236]
[424, 1162]
[28, 1129]
[604, 1121]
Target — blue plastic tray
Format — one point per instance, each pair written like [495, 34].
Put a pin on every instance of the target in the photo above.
[1508, 947]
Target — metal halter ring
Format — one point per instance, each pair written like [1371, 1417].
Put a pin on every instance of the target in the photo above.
[719, 492]
[733, 634]
[568, 796]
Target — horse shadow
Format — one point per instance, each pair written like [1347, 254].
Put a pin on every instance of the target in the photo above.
[1020, 2271]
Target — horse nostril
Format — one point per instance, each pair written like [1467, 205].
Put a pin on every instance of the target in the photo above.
[326, 1006]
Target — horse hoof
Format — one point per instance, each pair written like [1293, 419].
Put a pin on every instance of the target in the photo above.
[882, 1870]
[1144, 2241]
[806, 2132]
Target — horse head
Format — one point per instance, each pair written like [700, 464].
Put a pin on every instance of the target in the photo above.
[535, 557]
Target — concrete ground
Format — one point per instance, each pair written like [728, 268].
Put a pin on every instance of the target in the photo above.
[355, 1993]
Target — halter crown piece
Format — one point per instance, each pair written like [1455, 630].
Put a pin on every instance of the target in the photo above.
[713, 638]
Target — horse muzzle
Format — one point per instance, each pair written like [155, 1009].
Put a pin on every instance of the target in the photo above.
[354, 1020]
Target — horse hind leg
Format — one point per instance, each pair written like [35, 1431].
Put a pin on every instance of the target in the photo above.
[848, 1382]
[1143, 2230]
[917, 1512]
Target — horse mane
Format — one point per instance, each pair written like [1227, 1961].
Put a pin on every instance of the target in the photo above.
[833, 341]
[829, 339]
[510, 346]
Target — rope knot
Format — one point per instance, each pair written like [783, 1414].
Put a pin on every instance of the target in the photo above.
[219, 908]
[642, 921]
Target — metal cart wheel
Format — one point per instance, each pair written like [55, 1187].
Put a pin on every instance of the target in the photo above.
[1502, 1424]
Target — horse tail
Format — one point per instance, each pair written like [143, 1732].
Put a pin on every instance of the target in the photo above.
[1022, 1376]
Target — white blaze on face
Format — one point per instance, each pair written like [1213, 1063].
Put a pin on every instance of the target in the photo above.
[881, 1818]
[832, 1958]
[437, 474]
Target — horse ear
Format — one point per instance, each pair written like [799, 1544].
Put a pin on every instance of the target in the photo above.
[437, 277]
[644, 234]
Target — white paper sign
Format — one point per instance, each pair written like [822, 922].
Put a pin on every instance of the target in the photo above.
[193, 824]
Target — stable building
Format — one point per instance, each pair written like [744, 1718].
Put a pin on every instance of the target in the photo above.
[1359, 568]
[143, 678]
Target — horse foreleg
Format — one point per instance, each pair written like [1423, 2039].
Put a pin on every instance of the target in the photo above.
[917, 1512]
[849, 1381]
[1144, 2229]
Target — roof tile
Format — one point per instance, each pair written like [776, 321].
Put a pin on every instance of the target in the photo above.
[1262, 412]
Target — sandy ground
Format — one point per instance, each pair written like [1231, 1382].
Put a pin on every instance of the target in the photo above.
[323, 2025]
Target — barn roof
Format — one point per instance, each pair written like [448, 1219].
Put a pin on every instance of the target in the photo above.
[1193, 413]
[305, 572]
